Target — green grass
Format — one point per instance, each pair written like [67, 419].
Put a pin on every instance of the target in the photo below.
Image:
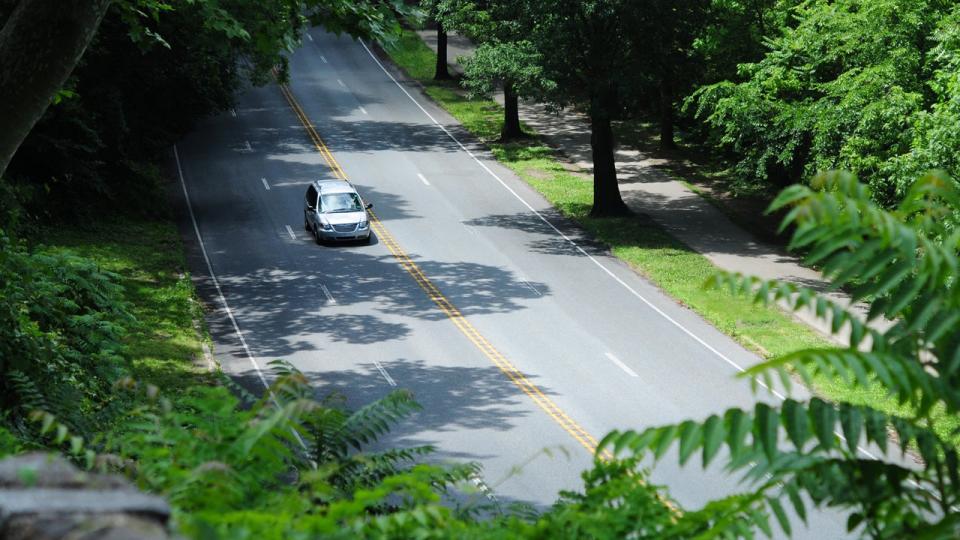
[148, 257]
[671, 265]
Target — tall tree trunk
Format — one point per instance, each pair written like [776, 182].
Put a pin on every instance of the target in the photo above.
[442, 73]
[40, 44]
[666, 115]
[606, 190]
[511, 113]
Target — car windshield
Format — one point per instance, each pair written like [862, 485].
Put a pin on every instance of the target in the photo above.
[340, 202]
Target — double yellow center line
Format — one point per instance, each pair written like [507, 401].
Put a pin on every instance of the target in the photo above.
[442, 302]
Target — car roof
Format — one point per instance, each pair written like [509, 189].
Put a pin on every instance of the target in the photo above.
[334, 186]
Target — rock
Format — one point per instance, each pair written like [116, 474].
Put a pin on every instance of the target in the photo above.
[44, 497]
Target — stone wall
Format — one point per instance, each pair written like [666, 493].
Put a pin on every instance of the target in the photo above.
[44, 497]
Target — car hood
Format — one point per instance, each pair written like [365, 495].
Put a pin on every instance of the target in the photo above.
[336, 218]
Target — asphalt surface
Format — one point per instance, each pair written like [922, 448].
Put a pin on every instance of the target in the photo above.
[599, 342]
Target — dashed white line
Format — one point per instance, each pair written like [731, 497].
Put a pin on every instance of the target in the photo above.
[326, 292]
[324, 58]
[383, 372]
[309, 37]
[266, 186]
[531, 287]
[233, 112]
[364, 111]
[341, 83]
[621, 365]
[423, 179]
[573, 244]
[247, 146]
[290, 232]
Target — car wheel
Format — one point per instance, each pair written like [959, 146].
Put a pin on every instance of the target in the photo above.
[369, 239]
[317, 237]
[306, 225]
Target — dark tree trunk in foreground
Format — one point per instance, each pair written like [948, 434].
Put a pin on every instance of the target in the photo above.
[40, 44]
[606, 190]
[511, 114]
[442, 73]
[666, 116]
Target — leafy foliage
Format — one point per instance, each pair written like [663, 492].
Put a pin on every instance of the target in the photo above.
[845, 85]
[904, 263]
[62, 323]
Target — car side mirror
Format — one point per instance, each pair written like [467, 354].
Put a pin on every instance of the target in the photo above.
[369, 206]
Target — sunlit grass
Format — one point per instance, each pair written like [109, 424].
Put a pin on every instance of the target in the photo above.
[148, 257]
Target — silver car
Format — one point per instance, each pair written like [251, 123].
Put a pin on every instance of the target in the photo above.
[334, 211]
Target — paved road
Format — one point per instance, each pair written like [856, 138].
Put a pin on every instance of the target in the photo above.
[604, 347]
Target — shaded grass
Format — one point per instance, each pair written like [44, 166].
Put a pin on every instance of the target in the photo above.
[148, 257]
[645, 246]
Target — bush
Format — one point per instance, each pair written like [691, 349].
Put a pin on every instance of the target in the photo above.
[62, 321]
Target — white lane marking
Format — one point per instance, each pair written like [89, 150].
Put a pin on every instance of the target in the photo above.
[266, 186]
[560, 233]
[248, 148]
[423, 179]
[223, 299]
[575, 245]
[383, 372]
[326, 292]
[531, 287]
[290, 232]
[309, 37]
[622, 366]
[324, 58]
[341, 83]
[364, 111]
[233, 112]
[216, 282]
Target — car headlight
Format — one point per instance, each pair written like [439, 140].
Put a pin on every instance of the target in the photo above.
[326, 226]
[364, 224]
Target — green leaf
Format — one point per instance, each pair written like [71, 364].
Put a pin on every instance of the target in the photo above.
[798, 505]
[781, 516]
[738, 425]
[796, 422]
[690, 438]
[823, 417]
[665, 436]
[766, 428]
[852, 423]
[712, 438]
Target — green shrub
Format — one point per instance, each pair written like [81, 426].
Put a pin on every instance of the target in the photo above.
[62, 322]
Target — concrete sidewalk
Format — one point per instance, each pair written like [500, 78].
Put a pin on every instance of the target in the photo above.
[685, 215]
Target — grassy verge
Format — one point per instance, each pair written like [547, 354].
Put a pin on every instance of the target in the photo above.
[646, 247]
[148, 257]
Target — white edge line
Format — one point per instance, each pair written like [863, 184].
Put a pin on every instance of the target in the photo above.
[213, 276]
[383, 372]
[290, 232]
[223, 299]
[324, 58]
[621, 365]
[249, 148]
[574, 244]
[266, 186]
[364, 111]
[341, 83]
[423, 179]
